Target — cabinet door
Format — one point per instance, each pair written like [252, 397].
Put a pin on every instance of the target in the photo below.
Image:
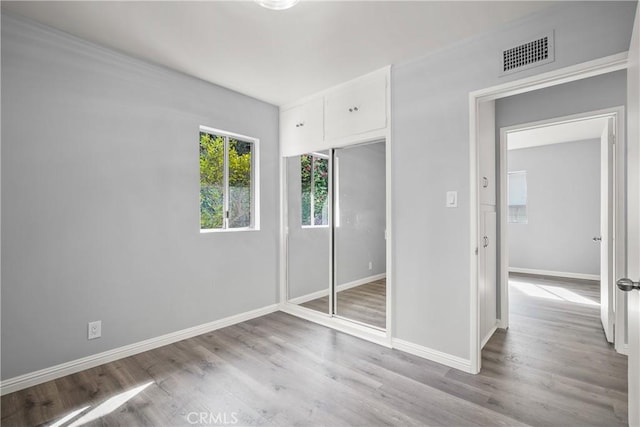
[357, 108]
[490, 270]
[301, 128]
[487, 153]
[482, 278]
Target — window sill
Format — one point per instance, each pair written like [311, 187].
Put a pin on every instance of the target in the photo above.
[315, 226]
[227, 230]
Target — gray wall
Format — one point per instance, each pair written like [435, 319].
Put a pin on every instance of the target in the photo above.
[309, 248]
[430, 155]
[100, 196]
[360, 237]
[592, 94]
[563, 208]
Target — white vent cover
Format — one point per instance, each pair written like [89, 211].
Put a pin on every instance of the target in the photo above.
[527, 55]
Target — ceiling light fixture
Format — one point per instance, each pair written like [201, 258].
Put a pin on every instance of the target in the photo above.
[277, 4]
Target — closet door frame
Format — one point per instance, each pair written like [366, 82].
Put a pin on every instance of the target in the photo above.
[369, 333]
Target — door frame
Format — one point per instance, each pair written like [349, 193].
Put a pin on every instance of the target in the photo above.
[619, 233]
[552, 78]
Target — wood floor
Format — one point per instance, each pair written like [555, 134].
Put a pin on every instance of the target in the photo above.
[552, 368]
[365, 303]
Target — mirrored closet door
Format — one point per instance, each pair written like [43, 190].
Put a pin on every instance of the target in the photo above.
[309, 233]
[336, 219]
[359, 234]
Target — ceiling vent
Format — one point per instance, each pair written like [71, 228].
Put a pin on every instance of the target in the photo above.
[528, 55]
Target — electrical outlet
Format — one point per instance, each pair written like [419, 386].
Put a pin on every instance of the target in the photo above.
[94, 330]
[370, 265]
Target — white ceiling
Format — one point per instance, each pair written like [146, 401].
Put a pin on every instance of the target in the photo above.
[276, 56]
[565, 132]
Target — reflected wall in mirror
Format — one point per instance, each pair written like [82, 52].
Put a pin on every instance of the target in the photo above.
[309, 235]
[359, 237]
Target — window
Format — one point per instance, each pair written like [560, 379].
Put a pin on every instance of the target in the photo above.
[228, 187]
[314, 172]
[517, 190]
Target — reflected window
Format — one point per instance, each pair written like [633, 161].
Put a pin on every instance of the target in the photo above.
[314, 175]
[227, 181]
[517, 190]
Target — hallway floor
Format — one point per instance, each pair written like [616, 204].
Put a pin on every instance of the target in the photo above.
[554, 366]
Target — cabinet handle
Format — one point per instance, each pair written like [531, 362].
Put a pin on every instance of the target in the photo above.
[485, 182]
[486, 242]
[352, 109]
[299, 125]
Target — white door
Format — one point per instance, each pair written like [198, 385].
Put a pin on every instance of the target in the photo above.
[633, 221]
[606, 230]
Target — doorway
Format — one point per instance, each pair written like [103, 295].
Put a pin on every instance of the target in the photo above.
[567, 166]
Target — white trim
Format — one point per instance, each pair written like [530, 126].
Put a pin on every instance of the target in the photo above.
[487, 337]
[38, 377]
[503, 222]
[560, 76]
[324, 292]
[539, 81]
[360, 282]
[565, 274]
[309, 297]
[356, 329]
[433, 355]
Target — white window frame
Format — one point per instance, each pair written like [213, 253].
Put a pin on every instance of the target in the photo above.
[313, 192]
[526, 205]
[255, 181]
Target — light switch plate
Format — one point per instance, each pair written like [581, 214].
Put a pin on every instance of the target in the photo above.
[452, 199]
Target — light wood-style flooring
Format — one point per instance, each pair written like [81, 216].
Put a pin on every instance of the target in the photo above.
[365, 303]
[551, 368]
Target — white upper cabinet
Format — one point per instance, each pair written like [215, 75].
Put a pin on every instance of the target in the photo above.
[487, 153]
[302, 128]
[357, 107]
[354, 111]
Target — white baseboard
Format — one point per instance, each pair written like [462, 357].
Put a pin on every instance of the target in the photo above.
[433, 355]
[359, 282]
[339, 288]
[356, 329]
[554, 273]
[486, 339]
[309, 297]
[33, 378]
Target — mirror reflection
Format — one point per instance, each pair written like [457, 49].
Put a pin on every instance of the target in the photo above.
[336, 246]
[359, 237]
[309, 236]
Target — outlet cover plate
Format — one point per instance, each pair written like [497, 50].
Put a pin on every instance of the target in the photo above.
[94, 330]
